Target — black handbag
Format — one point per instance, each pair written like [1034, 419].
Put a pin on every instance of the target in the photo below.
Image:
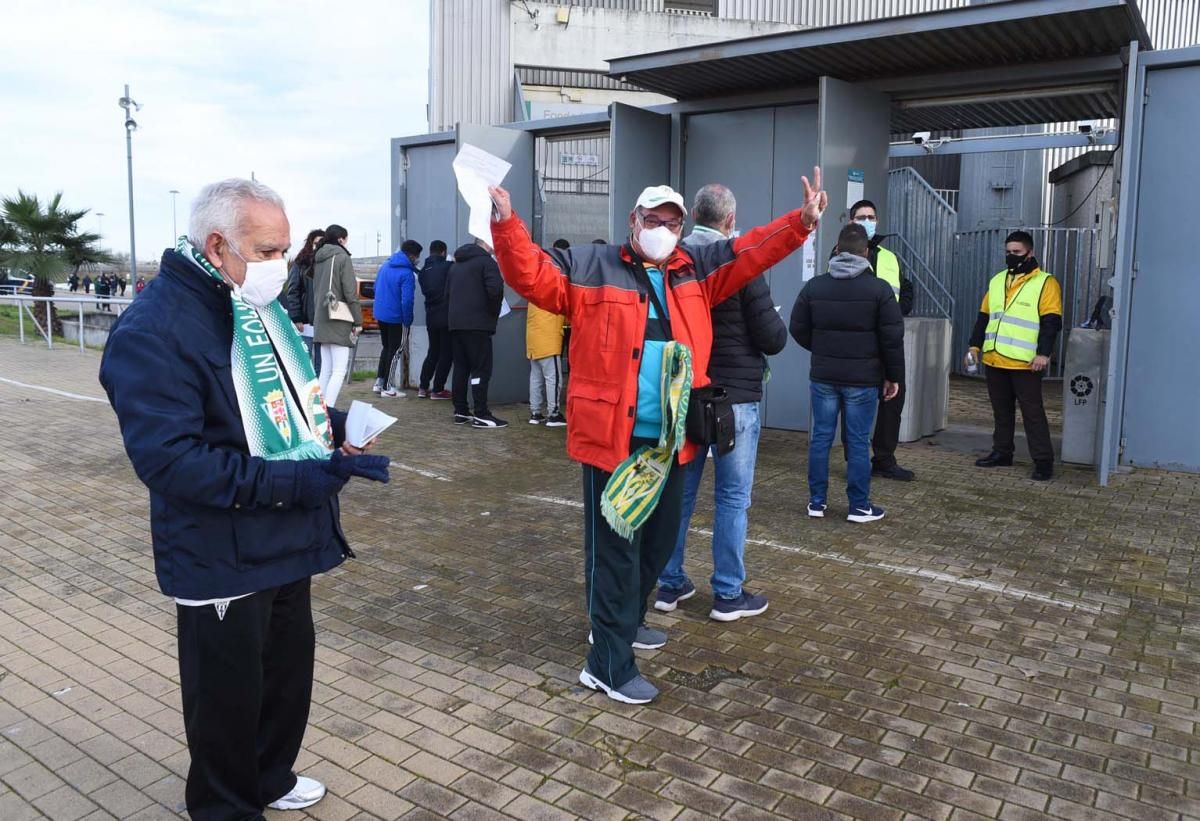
[710, 420]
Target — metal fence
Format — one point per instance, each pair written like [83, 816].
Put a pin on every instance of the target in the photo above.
[35, 311]
[922, 224]
[1071, 254]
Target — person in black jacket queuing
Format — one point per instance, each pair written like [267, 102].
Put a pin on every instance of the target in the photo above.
[746, 328]
[886, 266]
[436, 368]
[851, 322]
[243, 506]
[474, 293]
[298, 296]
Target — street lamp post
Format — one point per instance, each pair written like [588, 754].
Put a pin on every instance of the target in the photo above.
[130, 105]
[174, 230]
[100, 226]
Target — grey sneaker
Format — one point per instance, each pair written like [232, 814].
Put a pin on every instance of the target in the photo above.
[647, 638]
[635, 691]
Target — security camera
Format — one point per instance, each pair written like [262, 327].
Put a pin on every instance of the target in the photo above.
[921, 137]
[1088, 126]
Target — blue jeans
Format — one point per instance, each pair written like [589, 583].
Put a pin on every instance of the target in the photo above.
[734, 480]
[857, 406]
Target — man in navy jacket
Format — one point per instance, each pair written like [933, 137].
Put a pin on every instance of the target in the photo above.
[237, 537]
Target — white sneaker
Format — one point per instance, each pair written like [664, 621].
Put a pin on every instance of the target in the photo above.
[392, 393]
[307, 792]
[378, 386]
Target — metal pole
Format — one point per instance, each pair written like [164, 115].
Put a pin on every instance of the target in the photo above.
[80, 326]
[174, 230]
[49, 328]
[21, 318]
[127, 103]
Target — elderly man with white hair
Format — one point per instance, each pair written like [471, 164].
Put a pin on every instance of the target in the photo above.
[224, 422]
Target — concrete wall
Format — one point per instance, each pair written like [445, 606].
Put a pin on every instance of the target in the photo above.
[590, 36]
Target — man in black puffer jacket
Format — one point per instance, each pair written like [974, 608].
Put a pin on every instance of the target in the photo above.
[746, 328]
[474, 292]
[436, 367]
[853, 326]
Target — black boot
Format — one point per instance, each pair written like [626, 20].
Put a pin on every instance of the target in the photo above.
[994, 460]
[1043, 471]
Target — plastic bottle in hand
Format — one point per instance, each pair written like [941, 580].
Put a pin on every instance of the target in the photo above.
[972, 363]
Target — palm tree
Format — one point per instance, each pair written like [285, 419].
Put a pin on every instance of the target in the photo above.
[43, 241]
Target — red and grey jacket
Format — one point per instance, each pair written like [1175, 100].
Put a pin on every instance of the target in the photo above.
[593, 287]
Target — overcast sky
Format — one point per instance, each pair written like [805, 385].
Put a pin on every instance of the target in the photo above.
[304, 94]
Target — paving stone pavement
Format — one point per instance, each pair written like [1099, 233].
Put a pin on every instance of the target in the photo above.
[992, 649]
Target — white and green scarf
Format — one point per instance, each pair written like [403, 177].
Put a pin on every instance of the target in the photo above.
[633, 490]
[263, 340]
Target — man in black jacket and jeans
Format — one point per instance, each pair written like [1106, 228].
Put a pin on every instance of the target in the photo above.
[746, 328]
[851, 322]
[474, 292]
[436, 367]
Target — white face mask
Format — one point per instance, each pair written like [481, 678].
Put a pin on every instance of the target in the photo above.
[264, 280]
[657, 243]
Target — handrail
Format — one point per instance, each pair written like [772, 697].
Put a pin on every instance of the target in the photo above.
[915, 177]
[20, 301]
[921, 272]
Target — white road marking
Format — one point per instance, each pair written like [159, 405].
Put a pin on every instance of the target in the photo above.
[428, 474]
[916, 572]
[54, 391]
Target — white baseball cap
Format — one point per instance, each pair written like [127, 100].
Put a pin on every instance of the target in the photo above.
[657, 195]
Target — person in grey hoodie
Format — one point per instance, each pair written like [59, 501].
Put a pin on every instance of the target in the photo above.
[853, 326]
[333, 274]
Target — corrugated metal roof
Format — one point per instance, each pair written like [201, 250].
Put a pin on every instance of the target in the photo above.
[570, 78]
[991, 35]
[1022, 107]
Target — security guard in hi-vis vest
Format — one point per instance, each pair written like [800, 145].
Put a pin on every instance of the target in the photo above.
[886, 266]
[1018, 324]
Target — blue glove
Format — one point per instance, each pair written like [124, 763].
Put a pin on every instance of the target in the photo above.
[374, 468]
[315, 484]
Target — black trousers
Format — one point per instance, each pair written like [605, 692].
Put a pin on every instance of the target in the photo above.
[619, 574]
[247, 685]
[437, 363]
[392, 336]
[1006, 389]
[887, 431]
[473, 365]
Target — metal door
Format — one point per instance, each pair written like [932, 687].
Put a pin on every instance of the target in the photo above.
[1162, 376]
[429, 209]
[640, 156]
[510, 370]
[786, 401]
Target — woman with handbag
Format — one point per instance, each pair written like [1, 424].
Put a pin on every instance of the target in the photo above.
[337, 314]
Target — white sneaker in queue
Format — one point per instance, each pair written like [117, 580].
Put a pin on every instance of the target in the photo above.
[307, 792]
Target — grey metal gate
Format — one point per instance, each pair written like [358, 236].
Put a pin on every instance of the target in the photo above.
[922, 224]
[1071, 254]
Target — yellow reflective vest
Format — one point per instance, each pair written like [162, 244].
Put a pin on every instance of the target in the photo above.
[887, 268]
[1012, 329]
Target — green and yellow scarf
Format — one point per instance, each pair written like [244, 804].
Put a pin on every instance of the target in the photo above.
[267, 355]
[636, 485]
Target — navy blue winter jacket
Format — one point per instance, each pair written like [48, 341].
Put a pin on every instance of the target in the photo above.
[394, 287]
[223, 522]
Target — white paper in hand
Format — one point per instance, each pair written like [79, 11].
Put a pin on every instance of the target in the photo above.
[476, 169]
[364, 422]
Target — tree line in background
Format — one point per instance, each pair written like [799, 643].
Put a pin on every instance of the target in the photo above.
[43, 241]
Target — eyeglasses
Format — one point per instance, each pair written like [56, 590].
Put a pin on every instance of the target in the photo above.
[650, 221]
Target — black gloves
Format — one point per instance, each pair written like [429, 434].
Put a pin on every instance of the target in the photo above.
[374, 468]
[318, 480]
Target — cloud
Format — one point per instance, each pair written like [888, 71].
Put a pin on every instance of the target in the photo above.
[305, 95]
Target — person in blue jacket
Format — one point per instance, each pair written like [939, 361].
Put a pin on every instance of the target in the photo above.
[395, 285]
[223, 419]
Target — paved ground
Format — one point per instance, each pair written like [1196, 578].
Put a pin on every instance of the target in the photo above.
[992, 649]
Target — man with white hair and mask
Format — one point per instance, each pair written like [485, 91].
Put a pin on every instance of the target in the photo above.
[641, 319]
[223, 420]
